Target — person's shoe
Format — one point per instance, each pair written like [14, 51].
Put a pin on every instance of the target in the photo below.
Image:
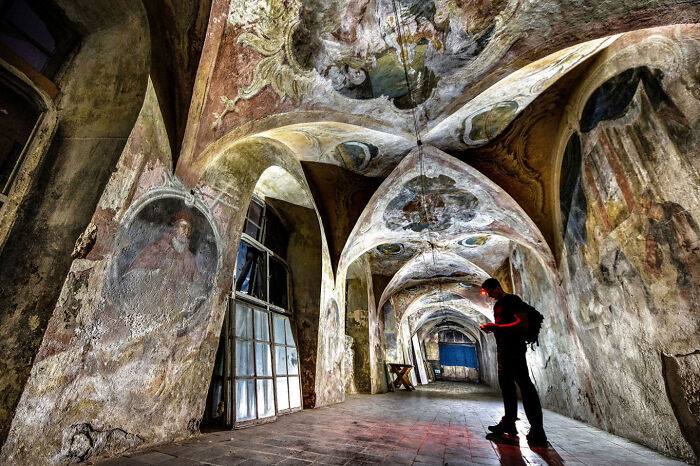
[504, 427]
[537, 437]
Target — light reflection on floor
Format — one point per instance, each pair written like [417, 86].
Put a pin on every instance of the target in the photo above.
[442, 423]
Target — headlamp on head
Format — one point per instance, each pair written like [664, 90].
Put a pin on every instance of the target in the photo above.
[483, 292]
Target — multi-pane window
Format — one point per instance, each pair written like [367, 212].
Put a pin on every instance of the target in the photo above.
[256, 371]
[254, 377]
[286, 364]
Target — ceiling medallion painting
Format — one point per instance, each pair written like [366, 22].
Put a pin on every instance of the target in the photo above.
[274, 29]
[390, 249]
[435, 203]
[474, 241]
[355, 155]
[359, 51]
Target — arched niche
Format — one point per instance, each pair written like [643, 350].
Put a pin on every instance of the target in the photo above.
[263, 168]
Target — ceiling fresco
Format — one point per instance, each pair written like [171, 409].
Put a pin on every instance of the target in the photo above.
[327, 78]
[365, 151]
[463, 205]
[423, 300]
[488, 114]
[348, 57]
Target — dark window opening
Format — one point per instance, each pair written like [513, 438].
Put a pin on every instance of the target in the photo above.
[278, 284]
[38, 32]
[453, 336]
[19, 114]
[251, 271]
[276, 234]
[256, 370]
[254, 220]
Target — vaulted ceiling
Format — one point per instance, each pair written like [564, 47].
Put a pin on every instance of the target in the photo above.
[349, 86]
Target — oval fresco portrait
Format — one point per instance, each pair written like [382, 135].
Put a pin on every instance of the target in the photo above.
[165, 267]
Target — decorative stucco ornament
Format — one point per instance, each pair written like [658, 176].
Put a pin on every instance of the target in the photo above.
[273, 38]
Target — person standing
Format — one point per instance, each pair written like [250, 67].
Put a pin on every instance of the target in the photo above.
[510, 322]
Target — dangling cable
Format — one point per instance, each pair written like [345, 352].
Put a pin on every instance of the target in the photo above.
[403, 57]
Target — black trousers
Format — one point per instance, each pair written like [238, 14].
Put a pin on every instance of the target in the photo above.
[512, 369]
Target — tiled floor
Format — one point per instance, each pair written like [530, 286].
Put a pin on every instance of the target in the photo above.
[443, 423]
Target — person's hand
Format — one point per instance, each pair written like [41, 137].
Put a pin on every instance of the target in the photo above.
[488, 327]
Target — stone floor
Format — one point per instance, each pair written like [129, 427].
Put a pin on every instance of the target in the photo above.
[443, 423]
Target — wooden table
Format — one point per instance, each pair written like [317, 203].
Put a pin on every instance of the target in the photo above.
[402, 371]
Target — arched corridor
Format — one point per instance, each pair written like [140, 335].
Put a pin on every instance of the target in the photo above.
[231, 222]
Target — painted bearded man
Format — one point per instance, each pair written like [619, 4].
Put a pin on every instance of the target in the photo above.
[171, 253]
[163, 283]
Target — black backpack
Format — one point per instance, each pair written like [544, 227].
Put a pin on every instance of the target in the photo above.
[534, 324]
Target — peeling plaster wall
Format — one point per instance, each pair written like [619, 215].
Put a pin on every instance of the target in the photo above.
[623, 353]
[358, 326]
[75, 148]
[233, 175]
[364, 325]
[121, 366]
[488, 365]
[391, 333]
[377, 343]
[304, 259]
[123, 362]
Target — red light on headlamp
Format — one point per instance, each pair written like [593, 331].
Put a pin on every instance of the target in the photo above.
[483, 292]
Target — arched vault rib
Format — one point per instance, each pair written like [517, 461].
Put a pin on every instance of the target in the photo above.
[459, 201]
[462, 298]
[438, 314]
[362, 150]
[432, 266]
[489, 113]
[443, 322]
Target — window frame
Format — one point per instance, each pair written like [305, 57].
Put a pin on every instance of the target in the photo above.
[270, 310]
[30, 94]
[255, 377]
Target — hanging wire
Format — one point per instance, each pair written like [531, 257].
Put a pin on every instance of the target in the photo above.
[403, 57]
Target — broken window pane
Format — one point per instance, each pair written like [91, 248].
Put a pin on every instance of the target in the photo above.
[292, 361]
[288, 331]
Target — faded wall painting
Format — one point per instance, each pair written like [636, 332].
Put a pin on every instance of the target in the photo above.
[330, 387]
[572, 199]
[630, 209]
[166, 267]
